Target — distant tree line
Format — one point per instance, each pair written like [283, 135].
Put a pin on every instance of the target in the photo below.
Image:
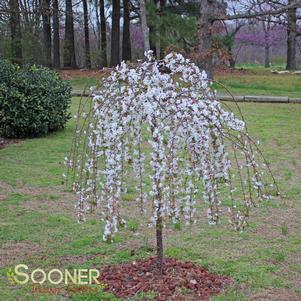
[100, 33]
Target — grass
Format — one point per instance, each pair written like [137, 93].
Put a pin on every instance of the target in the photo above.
[261, 82]
[256, 81]
[38, 224]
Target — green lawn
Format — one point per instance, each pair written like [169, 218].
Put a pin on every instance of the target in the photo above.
[261, 82]
[256, 81]
[38, 224]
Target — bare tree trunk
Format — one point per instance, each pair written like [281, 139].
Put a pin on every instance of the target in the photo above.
[126, 38]
[291, 37]
[103, 26]
[158, 35]
[267, 56]
[87, 39]
[56, 35]
[69, 49]
[15, 32]
[115, 34]
[46, 32]
[205, 37]
[231, 59]
[96, 5]
[144, 25]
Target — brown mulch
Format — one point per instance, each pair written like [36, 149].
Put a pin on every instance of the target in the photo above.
[180, 280]
[68, 74]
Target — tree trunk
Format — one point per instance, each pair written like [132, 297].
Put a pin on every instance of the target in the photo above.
[158, 35]
[46, 32]
[15, 32]
[103, 26]
[87, 40]
[267, 56]
[126, 38]
[291, 38]
[159, 237]
[69, 49]
[205, 23]
[144, 25]
[115, 34]
[56, 35]
[97, 8]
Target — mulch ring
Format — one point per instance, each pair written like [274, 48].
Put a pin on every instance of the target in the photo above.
[4, 142]
[180, 280]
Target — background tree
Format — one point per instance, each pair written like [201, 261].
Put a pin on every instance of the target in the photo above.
[144, 26]
[126, 37]
[87, 37]
[56, 35]
[15, 32]
[69, 48]
[45, 7]
[103, 27]
[115, 33]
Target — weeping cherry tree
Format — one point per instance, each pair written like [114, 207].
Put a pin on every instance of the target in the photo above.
[161, 120]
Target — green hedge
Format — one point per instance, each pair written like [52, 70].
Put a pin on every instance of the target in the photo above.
[33, 101]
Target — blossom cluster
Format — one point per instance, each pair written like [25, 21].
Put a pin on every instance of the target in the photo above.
[161, 119]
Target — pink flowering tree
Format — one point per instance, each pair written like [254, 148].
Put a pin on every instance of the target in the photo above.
[162, 120]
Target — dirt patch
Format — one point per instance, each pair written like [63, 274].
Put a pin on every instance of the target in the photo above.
[4, 142]
[227, 70]
[61, 206]
[276, 294]
[77, 73]
[17, 251]
[180, 280]
[73, 259]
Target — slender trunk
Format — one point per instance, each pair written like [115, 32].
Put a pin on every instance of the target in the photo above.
[267, 56]
[205, 37]
[126, 38]
[69, 49]
[291, 38]
[15, 32]
[46, 32]
[159, 237]
[144, 25]
[56, 35]
[103, 26]
[115, 34]
[87, 40]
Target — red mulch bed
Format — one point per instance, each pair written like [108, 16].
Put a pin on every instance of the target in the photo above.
[180, 280]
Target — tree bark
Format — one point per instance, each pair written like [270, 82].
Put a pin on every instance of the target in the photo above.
[46, 32]
[115, 34]
[69, 49]
[126, 38]
[205, 24]
[158, 34]
[103, 26]
[291, 37]
[87, 39]
[159, 237]
[267, 56]
[15, 32]
[231, 59]
[144, 26]
[56, 35]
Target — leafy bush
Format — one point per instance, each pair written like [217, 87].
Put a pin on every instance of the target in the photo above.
[33, 101]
